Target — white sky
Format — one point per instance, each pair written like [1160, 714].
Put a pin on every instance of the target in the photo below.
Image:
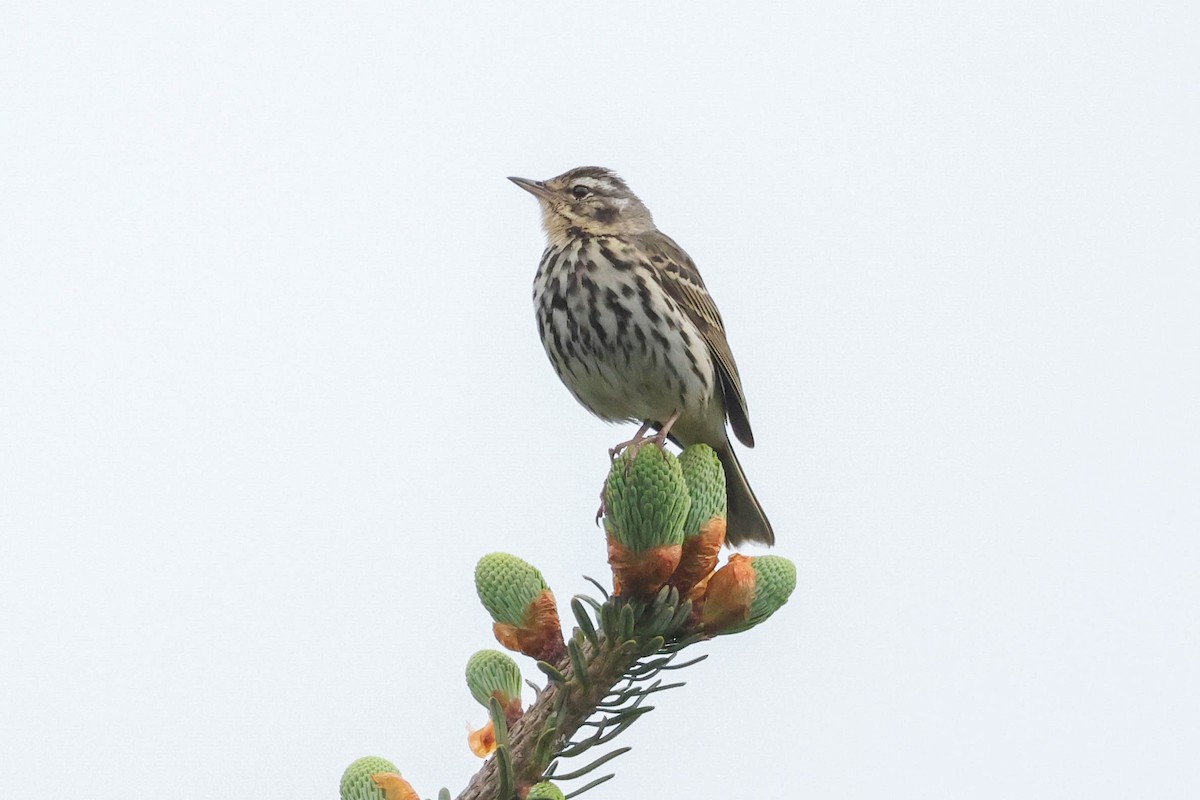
[270, 385]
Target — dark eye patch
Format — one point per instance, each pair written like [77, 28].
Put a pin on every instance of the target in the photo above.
[580, 191]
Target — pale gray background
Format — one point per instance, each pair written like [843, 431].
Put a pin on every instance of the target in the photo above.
[270, 385]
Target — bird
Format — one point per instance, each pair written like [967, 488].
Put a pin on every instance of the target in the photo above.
[633, 333]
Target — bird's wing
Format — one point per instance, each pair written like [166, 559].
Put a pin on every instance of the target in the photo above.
[683, 283]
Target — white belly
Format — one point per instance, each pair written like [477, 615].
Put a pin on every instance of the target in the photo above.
[620, 344]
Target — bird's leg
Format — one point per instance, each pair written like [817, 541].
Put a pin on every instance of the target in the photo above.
[640, 438]
[660, 438]
[637, 440]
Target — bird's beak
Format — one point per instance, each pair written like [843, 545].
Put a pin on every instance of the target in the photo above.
[536, 188]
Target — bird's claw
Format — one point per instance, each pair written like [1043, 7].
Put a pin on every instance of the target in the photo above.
[636, 442]
[602, 510]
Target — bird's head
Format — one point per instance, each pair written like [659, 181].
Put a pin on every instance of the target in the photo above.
[587, 201]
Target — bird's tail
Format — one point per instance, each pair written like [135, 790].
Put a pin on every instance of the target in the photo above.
[746, 520]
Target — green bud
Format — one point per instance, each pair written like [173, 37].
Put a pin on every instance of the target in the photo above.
[705, 479]
[506, 586]
[545, 791]
[776, 578]
[356, 780]
[490, 672]
[646, 499]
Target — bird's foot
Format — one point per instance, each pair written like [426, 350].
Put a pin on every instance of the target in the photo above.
[603, 509]
[636, 442]
[640, 439]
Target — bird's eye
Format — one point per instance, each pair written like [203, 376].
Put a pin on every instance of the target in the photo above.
[580, 191]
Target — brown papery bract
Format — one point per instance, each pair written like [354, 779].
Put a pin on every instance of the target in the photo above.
[394, 787]
[729, 595]
[700, 555]
[640, 574]
[540, 635]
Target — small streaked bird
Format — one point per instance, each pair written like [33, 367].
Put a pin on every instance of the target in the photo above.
[631, 330]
